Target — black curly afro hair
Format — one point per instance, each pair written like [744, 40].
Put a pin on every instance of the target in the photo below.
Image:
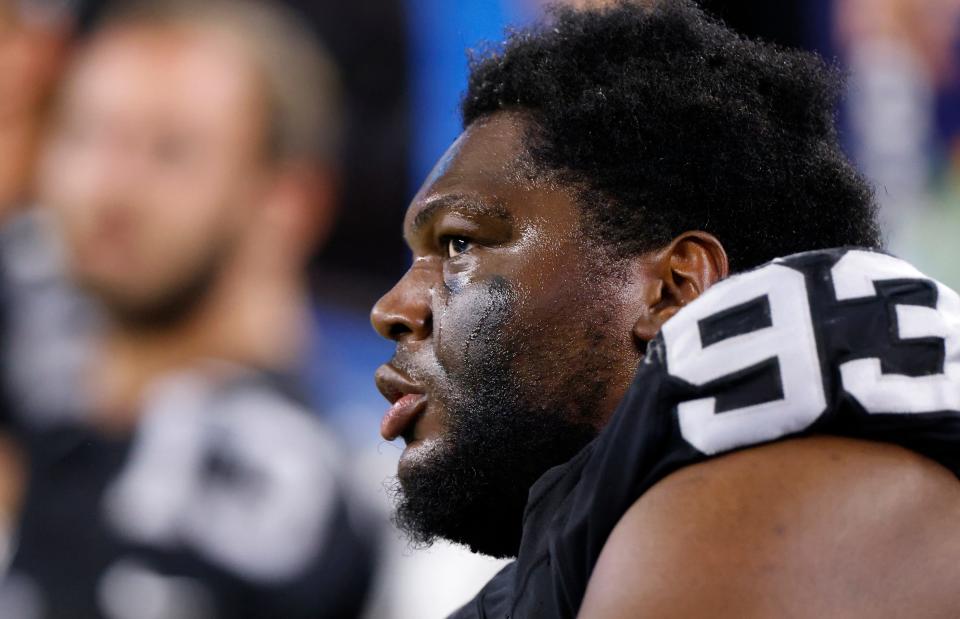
[665, 120]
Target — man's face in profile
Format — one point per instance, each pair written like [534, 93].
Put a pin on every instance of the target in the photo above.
[513, 340]
[152, 166]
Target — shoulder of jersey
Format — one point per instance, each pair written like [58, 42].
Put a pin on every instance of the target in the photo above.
[767, 352]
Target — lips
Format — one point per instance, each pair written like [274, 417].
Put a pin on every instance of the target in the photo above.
[400, 417]
[407, 400]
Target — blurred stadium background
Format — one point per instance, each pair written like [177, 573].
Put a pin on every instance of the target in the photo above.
[403, 64]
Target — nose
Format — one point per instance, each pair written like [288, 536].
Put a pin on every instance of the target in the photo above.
[404, 313]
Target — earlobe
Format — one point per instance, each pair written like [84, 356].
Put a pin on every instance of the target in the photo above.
[301, 205]
[652, 311]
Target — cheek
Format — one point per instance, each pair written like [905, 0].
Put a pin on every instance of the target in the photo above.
[182, 210]
[169, 235]
[561, 319]
[184, 220]
[457, 275]
[178, 239]
[67, 185]
[470, 322]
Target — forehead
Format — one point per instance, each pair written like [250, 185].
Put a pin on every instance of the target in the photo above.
[488, 164]
[162, 74]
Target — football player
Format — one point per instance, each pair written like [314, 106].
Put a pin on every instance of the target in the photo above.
[579, 389]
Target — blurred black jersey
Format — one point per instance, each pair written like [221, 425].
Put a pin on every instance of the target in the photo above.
[226, 503]
[843, 342]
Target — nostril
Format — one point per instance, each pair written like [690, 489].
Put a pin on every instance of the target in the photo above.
[398, 330]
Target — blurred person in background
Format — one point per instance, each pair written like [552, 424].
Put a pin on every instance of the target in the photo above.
[34, 41]
[903, 114]
[190, 171]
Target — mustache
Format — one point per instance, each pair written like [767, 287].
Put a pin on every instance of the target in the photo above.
[402, 362]
[420, 367]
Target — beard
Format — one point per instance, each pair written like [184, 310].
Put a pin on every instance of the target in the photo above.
[505, 428]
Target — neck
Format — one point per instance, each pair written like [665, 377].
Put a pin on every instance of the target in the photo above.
[248, 322]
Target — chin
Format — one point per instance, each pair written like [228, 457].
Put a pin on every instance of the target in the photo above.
[438, 497]
[420, 453]
[139, 313]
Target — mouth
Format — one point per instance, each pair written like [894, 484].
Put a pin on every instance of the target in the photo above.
[407, 402]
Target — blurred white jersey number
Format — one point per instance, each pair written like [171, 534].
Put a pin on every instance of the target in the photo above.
[244, 479]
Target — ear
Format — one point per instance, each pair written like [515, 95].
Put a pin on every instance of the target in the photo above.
[301, 207]
[680, 272]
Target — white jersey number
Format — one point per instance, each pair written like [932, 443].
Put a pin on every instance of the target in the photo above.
[854, 277]
[784, 337]
[788, 339]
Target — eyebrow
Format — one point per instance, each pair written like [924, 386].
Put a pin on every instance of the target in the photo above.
[467, 205]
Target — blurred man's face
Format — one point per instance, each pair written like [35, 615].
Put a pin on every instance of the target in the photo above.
[153, 167]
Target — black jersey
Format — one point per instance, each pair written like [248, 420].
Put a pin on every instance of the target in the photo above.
[226, 503]
[843, 342]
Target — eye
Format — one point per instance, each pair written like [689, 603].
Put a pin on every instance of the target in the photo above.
[457, 245]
